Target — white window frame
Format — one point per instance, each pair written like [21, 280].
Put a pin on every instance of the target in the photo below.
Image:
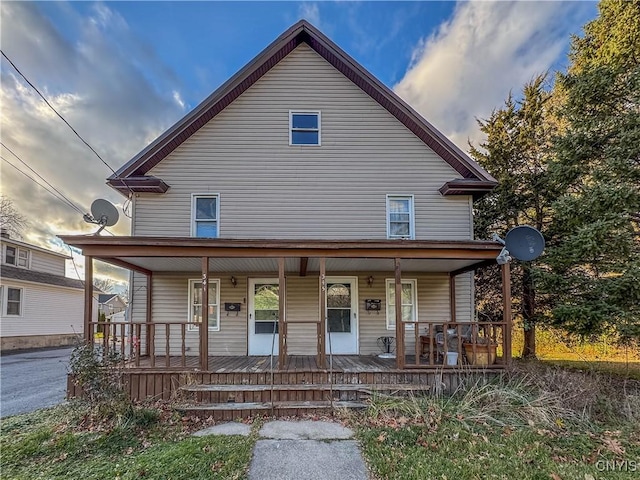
[18, 256]
[5, 302]
[194, 197]
[193, 325]
[412, 227]
[291, 129]
[389, 282]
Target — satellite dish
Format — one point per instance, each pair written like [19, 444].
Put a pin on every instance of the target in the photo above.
[103, 213]
[524, 243]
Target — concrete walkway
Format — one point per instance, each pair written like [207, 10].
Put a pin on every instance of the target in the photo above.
[300, 450]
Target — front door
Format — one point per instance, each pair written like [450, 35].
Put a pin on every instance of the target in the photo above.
[342, 315]
[264, 308]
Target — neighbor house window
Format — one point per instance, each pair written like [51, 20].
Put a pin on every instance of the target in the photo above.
[304, 128]
[16, 256]
[195, 304]
[14, 301]
[205, 216]
[400, 222]
[409, 302]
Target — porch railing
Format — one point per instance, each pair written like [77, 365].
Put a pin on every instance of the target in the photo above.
[472, 344]
[151, 345]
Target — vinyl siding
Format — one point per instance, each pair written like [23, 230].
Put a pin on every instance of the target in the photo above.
[43, 262]
[171, 303]
[46, 310]
[269, 189]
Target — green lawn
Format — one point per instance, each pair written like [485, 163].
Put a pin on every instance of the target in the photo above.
[58, 443]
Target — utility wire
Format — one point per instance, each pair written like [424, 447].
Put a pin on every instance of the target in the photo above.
[56, 112]
[41, 178]
[65, 202]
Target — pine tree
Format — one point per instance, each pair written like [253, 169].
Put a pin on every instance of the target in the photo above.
[594, 247]
[516, 153]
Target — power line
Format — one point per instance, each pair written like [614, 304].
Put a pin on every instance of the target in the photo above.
[42, 178]
[65, 202]
[39, 184]
[56, 112]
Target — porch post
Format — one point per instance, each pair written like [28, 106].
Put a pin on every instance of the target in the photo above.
[322, 325]
[150, 341]
[506, 311]
[88, 299]
[282, 327]
[204, 325]
[452, 297]
[399, 324]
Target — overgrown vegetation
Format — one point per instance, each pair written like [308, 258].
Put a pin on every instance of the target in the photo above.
[567, 157]
[536, 422]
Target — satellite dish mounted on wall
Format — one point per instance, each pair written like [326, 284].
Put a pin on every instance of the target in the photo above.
[103, 213]
[523, 243]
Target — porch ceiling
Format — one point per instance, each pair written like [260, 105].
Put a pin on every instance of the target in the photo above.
[292, 265]
[173, 254]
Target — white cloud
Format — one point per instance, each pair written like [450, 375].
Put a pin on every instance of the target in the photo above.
[467, 68]
[111, 88]
[310, 12]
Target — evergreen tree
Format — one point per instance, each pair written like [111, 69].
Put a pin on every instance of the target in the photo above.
[516, 153]
[594, 247]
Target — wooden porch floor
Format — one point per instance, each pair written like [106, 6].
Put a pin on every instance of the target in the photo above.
[294, 363]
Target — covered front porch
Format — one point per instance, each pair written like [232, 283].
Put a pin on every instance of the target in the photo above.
[437, 331]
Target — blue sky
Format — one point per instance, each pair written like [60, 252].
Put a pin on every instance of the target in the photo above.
[123, 72]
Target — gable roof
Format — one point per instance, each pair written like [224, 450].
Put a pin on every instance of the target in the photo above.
[105, 297]
[132, 175]
[15, 273]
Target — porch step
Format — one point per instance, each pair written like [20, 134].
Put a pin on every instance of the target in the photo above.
[348, 387]
[268, 405]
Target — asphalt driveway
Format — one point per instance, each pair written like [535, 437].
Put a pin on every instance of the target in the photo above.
[32, 380]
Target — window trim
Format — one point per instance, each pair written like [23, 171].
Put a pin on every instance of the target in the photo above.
[18, 250]
[193, 326]
[412, 226]
[319, 129]
[194, 197]
[5, 302]
[414, 291]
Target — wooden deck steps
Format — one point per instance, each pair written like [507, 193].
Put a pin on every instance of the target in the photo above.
[305, 387]
[231, 406]
[224, 401]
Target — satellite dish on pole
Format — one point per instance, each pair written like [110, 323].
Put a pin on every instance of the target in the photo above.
[523, 243]
[103, 213]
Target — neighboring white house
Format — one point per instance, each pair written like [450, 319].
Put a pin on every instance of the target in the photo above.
[39, 306]
[111, 303]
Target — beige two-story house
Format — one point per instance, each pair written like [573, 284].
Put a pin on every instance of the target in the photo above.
[307, 198]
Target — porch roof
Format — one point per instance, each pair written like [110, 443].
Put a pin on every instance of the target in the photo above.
[183, 254]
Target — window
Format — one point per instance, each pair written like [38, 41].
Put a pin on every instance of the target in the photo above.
[14, 301]
[400, 216]
[409, 302]
[16, 256]
[205, 212]
[304, 128]
[195, 304]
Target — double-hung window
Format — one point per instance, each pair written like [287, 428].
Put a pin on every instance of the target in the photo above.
[205, 216]
[304, 128]
[14, 302]
[16, 256]
[409, 302]
[400, 221]
[195, 304]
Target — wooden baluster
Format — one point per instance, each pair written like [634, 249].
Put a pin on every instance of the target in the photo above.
[183, 335]
[167, 350]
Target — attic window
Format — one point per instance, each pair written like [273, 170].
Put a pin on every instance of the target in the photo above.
[304, 128]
